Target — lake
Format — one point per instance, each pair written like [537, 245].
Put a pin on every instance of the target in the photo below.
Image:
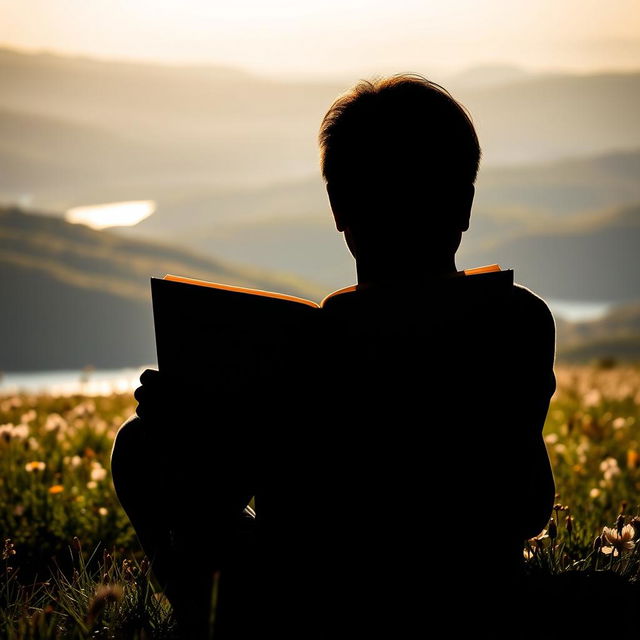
[578, 311]
[107, 381]
[68, 382]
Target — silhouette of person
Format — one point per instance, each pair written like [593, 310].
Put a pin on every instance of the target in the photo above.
[409, 465]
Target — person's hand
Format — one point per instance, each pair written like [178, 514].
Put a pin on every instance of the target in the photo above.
[152, 395]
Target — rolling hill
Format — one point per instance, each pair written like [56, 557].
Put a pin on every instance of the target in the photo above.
[72, 296]
[516, 215]
[616, 336]
[594, 257]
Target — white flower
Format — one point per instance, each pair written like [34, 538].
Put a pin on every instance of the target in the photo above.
[10, 431]
[610, 469]
[35, 466]
[54, 422]
[618, 542]
[28, 416]
[592, 398]
[98, 473]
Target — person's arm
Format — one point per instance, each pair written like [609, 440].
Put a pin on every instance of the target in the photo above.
[186, 430]
[538, 384]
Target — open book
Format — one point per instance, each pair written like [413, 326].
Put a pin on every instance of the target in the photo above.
[204, 326]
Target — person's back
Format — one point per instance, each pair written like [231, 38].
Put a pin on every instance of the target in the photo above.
[412, 481]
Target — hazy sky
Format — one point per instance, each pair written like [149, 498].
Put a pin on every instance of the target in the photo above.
[335, 36]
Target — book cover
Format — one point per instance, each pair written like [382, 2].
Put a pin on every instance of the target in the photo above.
[235, 333]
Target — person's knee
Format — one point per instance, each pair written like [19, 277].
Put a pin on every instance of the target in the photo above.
[127, 449]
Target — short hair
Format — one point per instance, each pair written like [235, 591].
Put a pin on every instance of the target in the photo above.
[395, 134]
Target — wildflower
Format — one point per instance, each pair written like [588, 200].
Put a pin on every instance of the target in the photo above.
[98, 473]
[553, 529]
[610, 469]
[592, 398]
[11, 403]
[617, 542]
[18, 510]
[595, 493]
[569, 523]
[632, 459]
[73, 461]
[35, 466]
[619, 423]
[28, 416]
[33, 443]
[8, 549]
[536, 541]
[9, 431]
[55, 422]
[582, 450]
[5, 431]
[21, 431]
[92, 484]
[552, 438]
[56, 488]
[103, 511]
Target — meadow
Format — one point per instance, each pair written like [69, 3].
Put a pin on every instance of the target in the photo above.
[72, 568]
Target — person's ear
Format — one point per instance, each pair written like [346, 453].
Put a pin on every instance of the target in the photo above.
[467, 204]
[336, 202]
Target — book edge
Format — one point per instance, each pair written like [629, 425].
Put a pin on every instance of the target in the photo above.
[491, 268]
[238, 289]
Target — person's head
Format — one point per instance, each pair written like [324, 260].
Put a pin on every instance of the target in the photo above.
[400, 157]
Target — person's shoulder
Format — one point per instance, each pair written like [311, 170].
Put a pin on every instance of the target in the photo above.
[537, 326]
[533, 307]
[536, 322]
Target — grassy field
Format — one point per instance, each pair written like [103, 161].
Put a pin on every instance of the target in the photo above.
[71, 566]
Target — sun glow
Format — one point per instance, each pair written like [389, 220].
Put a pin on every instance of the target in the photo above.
[335, 36]
[114, 214]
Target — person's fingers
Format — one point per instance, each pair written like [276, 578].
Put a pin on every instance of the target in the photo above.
[139, 394]
[149, 376]
[145, 402]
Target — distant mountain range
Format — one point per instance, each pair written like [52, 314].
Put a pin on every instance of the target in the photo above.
[72, 296]
[125, 131]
